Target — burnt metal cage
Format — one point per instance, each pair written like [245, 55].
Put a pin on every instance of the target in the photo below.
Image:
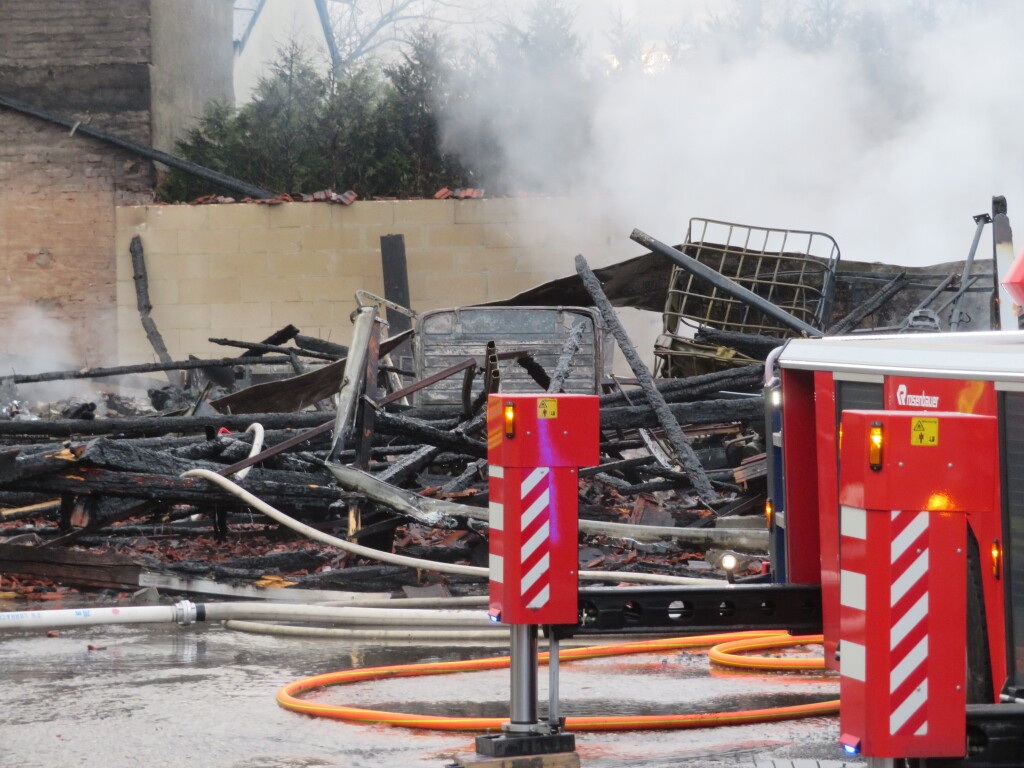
[793, 269]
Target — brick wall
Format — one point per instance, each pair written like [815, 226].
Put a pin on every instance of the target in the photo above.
[243, 271]
[87, 60]
[57, 192]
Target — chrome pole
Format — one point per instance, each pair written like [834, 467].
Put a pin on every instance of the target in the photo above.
[523, 668]
[553, 714]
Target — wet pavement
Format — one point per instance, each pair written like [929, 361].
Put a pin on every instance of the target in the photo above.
[204, 696]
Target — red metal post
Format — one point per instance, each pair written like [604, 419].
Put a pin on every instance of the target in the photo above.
[903, 575]
[536, 443]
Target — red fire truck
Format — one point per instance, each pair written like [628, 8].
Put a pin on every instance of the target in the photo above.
[897, 485]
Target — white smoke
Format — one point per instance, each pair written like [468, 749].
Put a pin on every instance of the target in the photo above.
[34, 342]
[892, 155]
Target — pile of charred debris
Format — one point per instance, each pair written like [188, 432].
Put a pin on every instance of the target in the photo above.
[383, 443]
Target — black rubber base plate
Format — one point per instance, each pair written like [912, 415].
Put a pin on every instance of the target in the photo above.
[515, 745]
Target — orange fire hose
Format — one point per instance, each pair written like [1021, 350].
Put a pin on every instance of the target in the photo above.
[725, 651]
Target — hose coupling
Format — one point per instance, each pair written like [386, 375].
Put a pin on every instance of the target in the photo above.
[185, 612]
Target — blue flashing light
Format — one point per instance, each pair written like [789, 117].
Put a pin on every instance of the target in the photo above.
[851, 749]
[495, 618]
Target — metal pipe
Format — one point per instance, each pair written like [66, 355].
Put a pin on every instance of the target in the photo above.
[723, 283]
[78, 127]
[352, 380]
[965, 280]
[553, 713]
[523, 676]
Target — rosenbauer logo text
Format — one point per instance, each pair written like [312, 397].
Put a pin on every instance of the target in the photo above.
[916, 401]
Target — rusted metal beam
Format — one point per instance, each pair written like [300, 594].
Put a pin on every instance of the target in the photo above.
[426, 382]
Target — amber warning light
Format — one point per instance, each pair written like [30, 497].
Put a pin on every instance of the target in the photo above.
[875, 446]
[510, 419]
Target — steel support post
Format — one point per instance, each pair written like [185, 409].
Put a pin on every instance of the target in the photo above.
[523, 667]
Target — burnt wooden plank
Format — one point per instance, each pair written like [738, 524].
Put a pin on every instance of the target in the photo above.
[71, 567]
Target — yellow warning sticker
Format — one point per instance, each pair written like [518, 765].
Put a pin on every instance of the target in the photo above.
[547, 408]
[924, 432]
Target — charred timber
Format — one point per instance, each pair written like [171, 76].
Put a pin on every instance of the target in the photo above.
[282, 336]
[658, 407]
[122, 455]
[273, 348]
[124, 370]
[750, 344]
[703, 412]
[427, 433]
[159, 425]
[165, 488]
[536, 371]
[313, 344]
[564, 366]
[747, 378]
[145, 306]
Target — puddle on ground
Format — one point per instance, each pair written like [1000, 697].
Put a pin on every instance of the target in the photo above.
[204, 696]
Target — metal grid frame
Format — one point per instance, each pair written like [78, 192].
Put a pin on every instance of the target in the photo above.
[794, 269]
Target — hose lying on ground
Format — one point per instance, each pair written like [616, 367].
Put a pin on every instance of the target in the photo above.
[413, 562]
[287, 696]
[497, 635]
[185, 612]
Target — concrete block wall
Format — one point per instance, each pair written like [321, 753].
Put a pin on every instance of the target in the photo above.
[243, 271]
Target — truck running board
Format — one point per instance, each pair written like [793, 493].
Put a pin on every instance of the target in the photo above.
[700, 609]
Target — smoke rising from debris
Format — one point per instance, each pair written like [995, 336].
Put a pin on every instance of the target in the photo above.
[885, 124]
[34, 342]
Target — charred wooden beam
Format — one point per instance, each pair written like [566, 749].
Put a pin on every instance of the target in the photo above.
[662, 413]
[564, 366]
[145, 306]
[122, 455]
[29, 464]
[95, 480]
[702, 412]
[91, 513]
[399, 471]
[395, 272]
[41, 509]
[427, 433]
[613, 466]
[124, 370]
[159, 425]
[313, 344]
[87, 569]
[750, 344]
[747, 378]
[529, 364]
[473, 472]
[275, 339]
[263, 348]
